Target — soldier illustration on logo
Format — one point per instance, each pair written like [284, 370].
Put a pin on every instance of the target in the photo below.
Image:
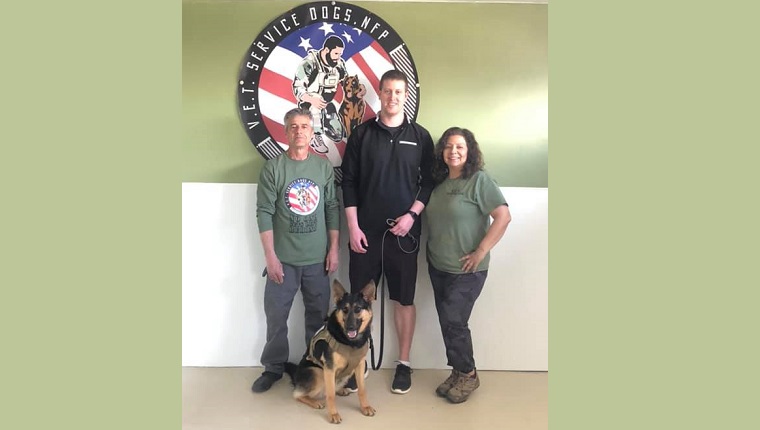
[304, 198]
[316, 82]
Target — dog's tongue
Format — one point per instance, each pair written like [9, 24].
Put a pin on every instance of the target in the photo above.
[351, 334]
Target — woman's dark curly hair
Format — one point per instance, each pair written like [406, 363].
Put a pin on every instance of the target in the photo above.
[474, 161]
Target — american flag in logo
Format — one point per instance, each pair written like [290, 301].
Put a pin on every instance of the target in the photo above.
[364, 57]
[265, 82]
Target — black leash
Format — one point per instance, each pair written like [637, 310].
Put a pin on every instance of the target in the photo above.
[391, 223]
[382, 323]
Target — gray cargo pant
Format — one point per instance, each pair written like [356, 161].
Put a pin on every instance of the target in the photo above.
[278, 299]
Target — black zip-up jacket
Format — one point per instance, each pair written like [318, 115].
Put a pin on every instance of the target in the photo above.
[383, 174]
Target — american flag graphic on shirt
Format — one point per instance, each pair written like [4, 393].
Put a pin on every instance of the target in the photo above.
[302, 196]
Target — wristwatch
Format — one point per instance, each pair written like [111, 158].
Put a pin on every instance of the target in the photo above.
[413, 214]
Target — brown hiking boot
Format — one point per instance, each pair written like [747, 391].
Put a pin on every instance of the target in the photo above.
[463, 387]
[448, 383]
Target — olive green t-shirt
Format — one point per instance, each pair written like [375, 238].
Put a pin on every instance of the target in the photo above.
[298, 201]
[457, 217]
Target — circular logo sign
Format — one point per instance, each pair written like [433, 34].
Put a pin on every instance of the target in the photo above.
[302, 196]
[327, 57]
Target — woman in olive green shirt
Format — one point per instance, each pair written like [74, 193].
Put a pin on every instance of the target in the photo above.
[460, 238]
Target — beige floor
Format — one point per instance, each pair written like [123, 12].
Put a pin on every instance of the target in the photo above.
[221, 398]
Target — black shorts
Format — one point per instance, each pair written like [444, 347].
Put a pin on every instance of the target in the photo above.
[398, 263]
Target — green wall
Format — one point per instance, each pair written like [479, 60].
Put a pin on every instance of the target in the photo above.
[481, 66]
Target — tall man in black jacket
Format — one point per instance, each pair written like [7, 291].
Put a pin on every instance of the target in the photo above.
[387, 182]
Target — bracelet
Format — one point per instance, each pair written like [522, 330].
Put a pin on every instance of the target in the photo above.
[413, 214]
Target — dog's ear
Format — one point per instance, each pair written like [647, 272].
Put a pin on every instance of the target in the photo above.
[368, 292]
[338, 291]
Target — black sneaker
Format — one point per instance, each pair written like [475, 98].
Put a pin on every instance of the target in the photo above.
[351, 384]
[265, 381]
[402, 382]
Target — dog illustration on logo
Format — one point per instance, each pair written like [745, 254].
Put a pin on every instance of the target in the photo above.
[352, 108]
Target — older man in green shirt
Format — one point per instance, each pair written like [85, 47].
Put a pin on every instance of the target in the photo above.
[299, 222]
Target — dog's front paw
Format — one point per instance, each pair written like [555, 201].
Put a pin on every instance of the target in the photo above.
[335, 418]
[319, 405]
[368, 411]
[342, 392]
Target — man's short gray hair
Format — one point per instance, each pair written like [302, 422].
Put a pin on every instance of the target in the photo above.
[294, 113]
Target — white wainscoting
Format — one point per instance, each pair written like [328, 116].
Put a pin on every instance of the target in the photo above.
[223, 322]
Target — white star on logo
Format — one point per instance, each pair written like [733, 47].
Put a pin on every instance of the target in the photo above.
[347, 37]
[305, 44]
[327, 28]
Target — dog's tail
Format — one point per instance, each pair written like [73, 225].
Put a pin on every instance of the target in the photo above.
[290, 369]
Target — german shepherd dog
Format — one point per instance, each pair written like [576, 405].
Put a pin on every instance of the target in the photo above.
[336, 352]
